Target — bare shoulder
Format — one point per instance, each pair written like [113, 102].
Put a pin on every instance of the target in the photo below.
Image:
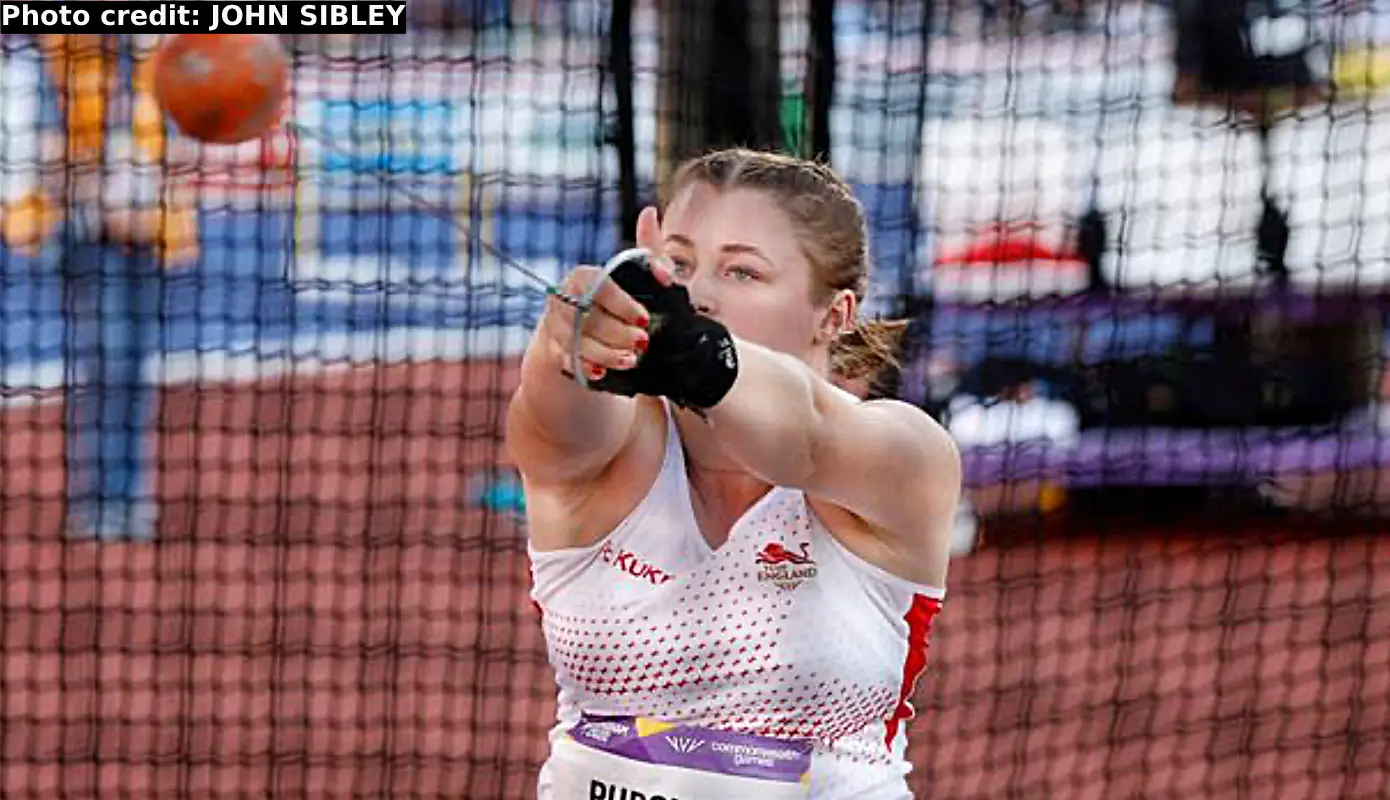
[867, 440]
[889, 486]
[916, 427]
[569, 514]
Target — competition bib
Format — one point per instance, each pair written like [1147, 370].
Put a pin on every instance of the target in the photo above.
[633, 758]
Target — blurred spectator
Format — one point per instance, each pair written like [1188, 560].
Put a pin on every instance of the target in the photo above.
[1254, 56]
[113, 211]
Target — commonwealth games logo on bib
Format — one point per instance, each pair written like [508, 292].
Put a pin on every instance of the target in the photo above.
[784, 568]
[637, 758]
[684, 744]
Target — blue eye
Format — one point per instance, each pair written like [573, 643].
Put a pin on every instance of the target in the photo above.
[743, 273]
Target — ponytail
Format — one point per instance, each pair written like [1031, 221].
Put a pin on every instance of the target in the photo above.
[868, 350]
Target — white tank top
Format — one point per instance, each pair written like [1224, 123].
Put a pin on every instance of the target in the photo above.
[781, 632]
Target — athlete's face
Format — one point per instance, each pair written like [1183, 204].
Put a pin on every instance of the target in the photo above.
[742, 260]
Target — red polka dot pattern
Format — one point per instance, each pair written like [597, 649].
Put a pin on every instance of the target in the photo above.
[778, 632]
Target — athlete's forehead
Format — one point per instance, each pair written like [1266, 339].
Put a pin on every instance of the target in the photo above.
[736, 221]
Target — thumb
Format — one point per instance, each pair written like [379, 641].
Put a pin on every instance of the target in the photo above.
[649, 231]
[649, 238]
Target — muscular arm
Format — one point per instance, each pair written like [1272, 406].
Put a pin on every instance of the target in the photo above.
[559, 432]
[884, 461]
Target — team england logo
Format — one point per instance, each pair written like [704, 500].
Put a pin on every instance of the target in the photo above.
[784, 568]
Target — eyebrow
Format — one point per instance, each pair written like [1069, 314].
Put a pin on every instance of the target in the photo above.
[733, 247]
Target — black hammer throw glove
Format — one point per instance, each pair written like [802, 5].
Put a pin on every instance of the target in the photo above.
[690, 359]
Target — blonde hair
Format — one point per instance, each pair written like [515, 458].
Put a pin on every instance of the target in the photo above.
[831, 219]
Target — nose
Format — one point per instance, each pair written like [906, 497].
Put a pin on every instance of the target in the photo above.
[701, 295]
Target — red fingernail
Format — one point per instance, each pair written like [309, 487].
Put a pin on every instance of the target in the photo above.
[595, 373]
[643, 321]
[641, 344]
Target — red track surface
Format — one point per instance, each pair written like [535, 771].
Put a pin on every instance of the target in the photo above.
[325, 611]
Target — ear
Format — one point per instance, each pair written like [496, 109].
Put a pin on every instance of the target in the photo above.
[838, 318]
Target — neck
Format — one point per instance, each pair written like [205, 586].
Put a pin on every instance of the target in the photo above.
[819, 360]
[715, 476]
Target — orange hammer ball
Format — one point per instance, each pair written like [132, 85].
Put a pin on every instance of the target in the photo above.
[222, 88]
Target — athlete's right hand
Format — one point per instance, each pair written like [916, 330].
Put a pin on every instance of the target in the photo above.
[614, 333]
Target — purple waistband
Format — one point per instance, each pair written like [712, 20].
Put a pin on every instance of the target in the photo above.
[691, 747]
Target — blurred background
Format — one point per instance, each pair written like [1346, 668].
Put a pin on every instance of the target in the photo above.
[258, 535]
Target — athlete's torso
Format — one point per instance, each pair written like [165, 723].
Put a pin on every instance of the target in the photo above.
[779, 632]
